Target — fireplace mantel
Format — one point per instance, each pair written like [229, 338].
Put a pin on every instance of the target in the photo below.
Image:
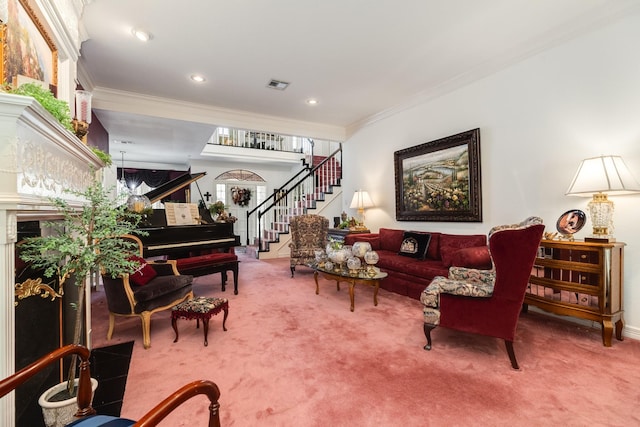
[39, 159]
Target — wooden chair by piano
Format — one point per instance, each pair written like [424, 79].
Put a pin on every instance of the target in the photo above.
[86, 413]
[162, 292]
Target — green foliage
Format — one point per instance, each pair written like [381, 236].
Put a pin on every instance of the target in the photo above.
[84, 238]
[217, 208]
[105, 157]
[335, 244]
[57, 107]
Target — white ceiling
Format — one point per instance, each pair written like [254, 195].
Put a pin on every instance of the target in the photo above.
[360, 60]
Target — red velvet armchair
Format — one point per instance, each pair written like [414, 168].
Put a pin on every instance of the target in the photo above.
[487, 302]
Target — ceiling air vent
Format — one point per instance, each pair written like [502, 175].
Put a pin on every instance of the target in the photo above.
[277, 84]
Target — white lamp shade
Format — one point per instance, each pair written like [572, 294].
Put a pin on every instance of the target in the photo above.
[361, 200]
[604, 174]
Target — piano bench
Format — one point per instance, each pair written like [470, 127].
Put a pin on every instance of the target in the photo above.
[219, 262]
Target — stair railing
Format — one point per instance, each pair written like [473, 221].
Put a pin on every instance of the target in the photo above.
[294, 197]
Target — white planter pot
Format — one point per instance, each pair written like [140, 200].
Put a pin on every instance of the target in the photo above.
[59, 414]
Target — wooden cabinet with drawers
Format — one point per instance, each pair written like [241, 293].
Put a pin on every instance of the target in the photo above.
[580, 279]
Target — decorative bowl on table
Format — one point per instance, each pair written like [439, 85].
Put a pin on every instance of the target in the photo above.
[354, 264]
[371, 258]
[339, 258]
[360, 249]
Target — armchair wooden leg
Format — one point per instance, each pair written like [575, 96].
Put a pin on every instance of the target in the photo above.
[293, 269]
[112, 324]
[146, 329]
[427, 333]
[512, 354]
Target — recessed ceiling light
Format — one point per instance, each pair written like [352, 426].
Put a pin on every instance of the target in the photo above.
[312, 101]
[197, 78]
[141, 35]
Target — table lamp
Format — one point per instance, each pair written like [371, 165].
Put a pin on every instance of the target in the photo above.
[599, 177]
[360, 201]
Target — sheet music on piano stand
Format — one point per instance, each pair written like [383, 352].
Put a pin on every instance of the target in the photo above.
[181, 213]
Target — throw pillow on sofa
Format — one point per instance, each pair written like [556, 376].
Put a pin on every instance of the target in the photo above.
[415, 244]
[143, 274]
[450, 243]
[390, 239]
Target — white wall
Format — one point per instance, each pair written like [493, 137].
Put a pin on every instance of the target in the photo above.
[538, 120]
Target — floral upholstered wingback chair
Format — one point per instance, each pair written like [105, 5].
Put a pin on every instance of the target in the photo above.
[487, 302]
[308, 234]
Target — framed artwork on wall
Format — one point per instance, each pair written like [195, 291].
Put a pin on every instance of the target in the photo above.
[27, 49]
[440, 180]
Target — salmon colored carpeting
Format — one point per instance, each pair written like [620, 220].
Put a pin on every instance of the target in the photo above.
[294, 358]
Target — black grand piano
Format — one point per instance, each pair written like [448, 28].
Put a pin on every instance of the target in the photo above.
[183, 241]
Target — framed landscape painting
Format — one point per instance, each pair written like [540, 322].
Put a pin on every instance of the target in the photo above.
[27, 48]
[440, 180]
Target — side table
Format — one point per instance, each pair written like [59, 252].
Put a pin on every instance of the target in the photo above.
[338, 234]
[200, 308]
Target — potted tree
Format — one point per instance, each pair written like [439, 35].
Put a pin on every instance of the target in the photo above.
[83, 239]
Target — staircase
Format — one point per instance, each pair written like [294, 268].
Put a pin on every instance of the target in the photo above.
[312, 189]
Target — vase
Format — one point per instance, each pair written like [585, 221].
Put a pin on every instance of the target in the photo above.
[359, 249]
[371, 258]
[59, 414]
[339, 258]
[353, 264]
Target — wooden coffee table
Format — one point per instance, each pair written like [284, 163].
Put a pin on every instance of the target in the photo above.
[352, 279]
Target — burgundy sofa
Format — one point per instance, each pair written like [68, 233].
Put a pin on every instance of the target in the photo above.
[408, 275]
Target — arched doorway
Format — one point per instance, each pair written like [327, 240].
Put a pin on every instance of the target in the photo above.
[241, 190]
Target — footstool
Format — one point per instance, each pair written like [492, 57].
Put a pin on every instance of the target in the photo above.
[200, 308]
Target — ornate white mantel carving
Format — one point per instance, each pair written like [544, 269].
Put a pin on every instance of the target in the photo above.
[39, 159]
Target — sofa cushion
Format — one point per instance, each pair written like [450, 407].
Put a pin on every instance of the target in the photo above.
[428, 269]
[476, 257]
[414, 244]
[390, 239]
[450, 243]
[143, 274]
[433, 251]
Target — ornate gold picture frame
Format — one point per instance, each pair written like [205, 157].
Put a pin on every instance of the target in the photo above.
[27, 50]
[440, 180]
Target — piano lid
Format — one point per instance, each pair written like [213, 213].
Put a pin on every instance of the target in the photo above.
[172, 186]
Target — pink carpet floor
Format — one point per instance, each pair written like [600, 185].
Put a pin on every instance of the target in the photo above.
[294, 358]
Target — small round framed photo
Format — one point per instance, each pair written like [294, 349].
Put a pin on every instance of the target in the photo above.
[571, 222]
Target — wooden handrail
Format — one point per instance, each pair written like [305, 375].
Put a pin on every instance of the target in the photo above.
[9, 384]
[151, 418]
[160, 411]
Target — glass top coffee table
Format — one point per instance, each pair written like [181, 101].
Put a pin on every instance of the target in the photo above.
[362, 277]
